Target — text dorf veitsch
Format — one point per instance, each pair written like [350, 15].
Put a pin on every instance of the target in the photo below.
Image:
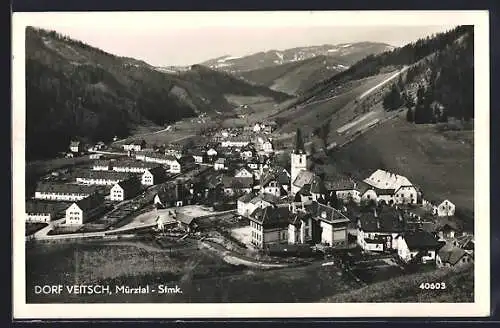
[105, 289]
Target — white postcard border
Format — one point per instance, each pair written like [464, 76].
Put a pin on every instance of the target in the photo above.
[481, 306]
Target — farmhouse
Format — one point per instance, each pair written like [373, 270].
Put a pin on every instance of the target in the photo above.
[177, 195]
[84, 210]
[102, 177]
[101, 165]
[367, 192]
[269, 225]
[199, 156]
[392, 188]
[38, 211]
[451, 256]
[125, 189]
[243, 173]
[153, 176]
[63, 192]
[175, 150]
[344, 189]
[418, 247]
[446, 208]
[332, 225]
[134, 146]
[132, 166]
[275, 182]
[220, 164]
[249, 202]
[378, 230]
[76, 147]
[234, 185]
[406, 195]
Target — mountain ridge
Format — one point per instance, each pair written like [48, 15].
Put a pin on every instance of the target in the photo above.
[76, 90]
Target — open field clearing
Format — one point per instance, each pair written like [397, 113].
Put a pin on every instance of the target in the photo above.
[316, 112]
[460, 288]
[428, 157]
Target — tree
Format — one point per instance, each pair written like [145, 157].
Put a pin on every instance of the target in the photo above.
[409, 115]
[393, 100]
[323, 132]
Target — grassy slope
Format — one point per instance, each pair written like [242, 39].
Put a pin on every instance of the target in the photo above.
[295, 77]
[312, 115]
[459, 282]
[442, 163]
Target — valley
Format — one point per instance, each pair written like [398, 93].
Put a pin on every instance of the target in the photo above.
[257, 174]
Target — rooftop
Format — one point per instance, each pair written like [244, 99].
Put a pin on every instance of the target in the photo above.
[40, 206]
[66, 188]
[421, 240]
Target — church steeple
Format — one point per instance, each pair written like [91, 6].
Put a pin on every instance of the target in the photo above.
[299, 143]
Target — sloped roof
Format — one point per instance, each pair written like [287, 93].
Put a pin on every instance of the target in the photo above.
[362, 187]
[237, 183]
[246, 198]
[271, 216]
[90, 202]
[46, 207]
[304, 177]
[387, 180]
[338, 185]
[421, 240]
[328, 214]
[66, 188]
[106, 175]
[157, 171]
[129, 184]
[386, 220]
[317, 186]
[299, 216]
[451, 255]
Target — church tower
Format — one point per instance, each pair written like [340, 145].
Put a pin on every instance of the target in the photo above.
[299, 158]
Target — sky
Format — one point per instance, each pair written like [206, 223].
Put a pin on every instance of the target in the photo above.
[172, 39]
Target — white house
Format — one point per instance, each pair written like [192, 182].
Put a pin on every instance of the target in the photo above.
[344, 189]
[267, 147]
[243, 173]
[249, 202]
[153, 176]
[134, 146]
[125, 190]
[381, 179]
[220, 164]
[211, 153]
[43, 211]
[101, 165]
[82, 211]
[418, 246]
[378, 231]
[76, 146]
[446, 208]
[406, 195]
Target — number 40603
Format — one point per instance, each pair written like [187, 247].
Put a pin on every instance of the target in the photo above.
[432, 285]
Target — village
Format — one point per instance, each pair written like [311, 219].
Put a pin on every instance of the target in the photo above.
[231, 194]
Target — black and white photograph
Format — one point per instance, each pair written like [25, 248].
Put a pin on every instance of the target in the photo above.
[201, 164]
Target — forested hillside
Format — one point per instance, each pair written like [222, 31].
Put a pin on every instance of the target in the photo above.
[397, 58]
[439, 87]
[74, 90]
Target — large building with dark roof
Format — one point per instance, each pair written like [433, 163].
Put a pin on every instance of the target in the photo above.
[64, 191]
[42, 211]
[269, 225]
[102, 177]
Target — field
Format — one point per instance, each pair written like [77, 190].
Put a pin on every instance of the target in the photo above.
[440, 162]
[202, 275]
[460, 288]
[337, 106]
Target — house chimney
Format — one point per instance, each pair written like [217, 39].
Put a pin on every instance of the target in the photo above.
[375, 214]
